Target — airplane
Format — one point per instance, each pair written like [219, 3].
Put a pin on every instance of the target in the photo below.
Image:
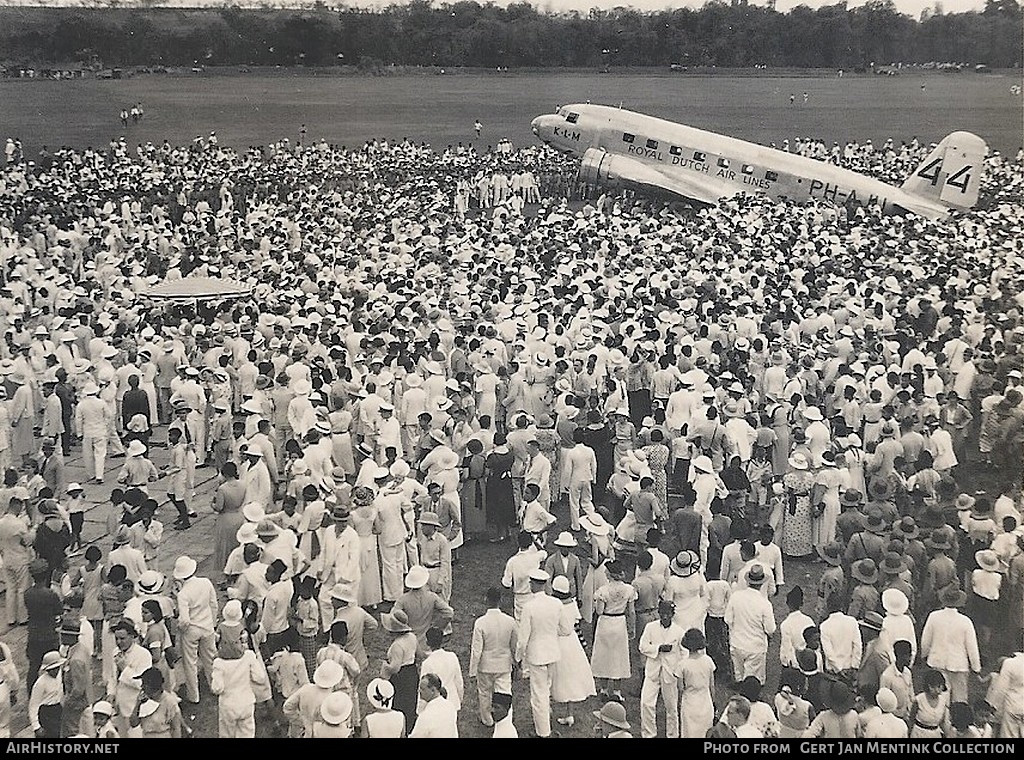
[621, 148]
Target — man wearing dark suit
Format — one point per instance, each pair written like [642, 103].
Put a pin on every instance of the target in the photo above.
[564, 562]
[682, 532]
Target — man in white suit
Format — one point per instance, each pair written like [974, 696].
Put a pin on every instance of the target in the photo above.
[580, 475]
[492, 654]
[538, 472]
[537, 648]
[949, 642]
[341, 561]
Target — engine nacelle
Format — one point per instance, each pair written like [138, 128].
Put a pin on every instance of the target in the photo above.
[597, 168]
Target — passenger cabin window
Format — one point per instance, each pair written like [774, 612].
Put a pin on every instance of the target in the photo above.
[723, 163]
[771, 176]
[698, 156]
[675, 150]
[627, 137]
[748, 169]
[572, 118]
[652, 144]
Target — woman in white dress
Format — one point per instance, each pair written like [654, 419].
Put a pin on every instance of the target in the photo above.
[614, 605]
[696, 682]
[599, 532]
[572, 680]
[365, 521]
[687, 589]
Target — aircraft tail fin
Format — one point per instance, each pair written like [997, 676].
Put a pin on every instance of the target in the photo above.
[951, 174]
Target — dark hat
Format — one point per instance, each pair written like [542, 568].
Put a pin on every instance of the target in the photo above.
[755, 576]
[851, 498]
[865, 571]
[938, 540]
[831, 553]
[876, 523]
[893, 564]
[952, 596]
[907, 528]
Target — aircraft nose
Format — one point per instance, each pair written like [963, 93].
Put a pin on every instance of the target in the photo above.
[541, 127]
[535, 125]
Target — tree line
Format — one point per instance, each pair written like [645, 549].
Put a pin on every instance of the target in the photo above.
[466, 33]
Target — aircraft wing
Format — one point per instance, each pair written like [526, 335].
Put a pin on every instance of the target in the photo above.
[600, 167]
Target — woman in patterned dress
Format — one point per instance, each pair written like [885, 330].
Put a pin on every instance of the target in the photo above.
[550, 447]
[797, 516]
[657, 459]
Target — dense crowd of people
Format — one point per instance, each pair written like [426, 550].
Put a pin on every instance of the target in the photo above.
[662, 412]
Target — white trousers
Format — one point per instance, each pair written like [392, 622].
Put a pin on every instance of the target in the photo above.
[540, 697]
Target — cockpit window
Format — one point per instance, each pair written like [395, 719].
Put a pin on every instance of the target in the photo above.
[572, 118]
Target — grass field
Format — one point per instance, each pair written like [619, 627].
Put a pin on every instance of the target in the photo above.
[259, 107]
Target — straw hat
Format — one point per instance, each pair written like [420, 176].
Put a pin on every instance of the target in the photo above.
[684, 564]
[756, 576]
[151, 581]
[395, 621]
[987, 560]
[798, 461]
[51, 661]
[417, 577]
[871, 620]
[429, 518]
[336, 708]
[380, 693]
[594, 524]
[328, 674]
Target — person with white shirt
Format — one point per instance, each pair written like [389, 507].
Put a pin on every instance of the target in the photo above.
[659, 644]
[887, 725]
[438, 719]
[197, 620]
[841, 642]
[949, 642]
[751, 622]
[446, 665]
[501, 709]
[517, 572]
[792, 628]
